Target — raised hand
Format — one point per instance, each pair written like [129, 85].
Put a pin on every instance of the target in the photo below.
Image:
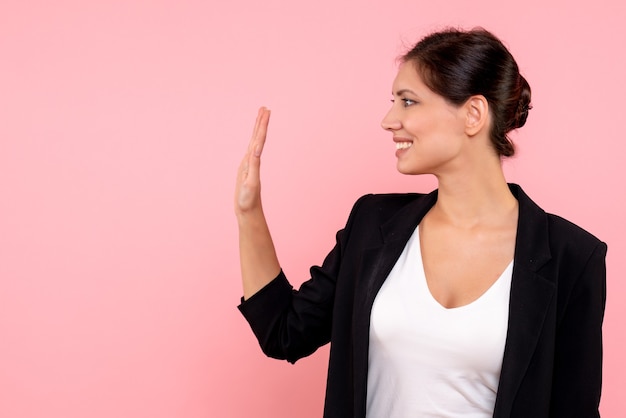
[259, 264]
[248, 188]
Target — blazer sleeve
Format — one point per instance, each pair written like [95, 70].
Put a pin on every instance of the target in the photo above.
[290, 324]
[578, 357]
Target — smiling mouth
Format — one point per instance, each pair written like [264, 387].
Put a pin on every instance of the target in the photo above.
[403, 145]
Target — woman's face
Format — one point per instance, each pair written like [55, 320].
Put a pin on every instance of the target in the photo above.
[429, 132]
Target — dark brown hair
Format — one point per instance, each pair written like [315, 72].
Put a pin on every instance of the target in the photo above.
[459, 64]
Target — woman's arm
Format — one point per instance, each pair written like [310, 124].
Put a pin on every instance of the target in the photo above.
[259, 263]
[577, 380]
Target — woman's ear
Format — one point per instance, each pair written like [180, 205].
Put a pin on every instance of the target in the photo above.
[477, 115]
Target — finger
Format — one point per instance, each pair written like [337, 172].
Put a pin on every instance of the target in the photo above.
[254, 158]
[257, 123]
[242, 172]
[261, 134]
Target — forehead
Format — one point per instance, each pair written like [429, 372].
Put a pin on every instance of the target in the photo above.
[408, 78]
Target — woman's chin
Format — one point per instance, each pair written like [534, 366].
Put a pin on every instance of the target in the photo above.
[408, 170]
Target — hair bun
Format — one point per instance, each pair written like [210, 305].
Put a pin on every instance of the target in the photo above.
[523, 104]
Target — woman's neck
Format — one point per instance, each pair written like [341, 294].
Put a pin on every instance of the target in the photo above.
[470, 200]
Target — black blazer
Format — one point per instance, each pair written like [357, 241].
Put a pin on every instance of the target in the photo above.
[552, 364]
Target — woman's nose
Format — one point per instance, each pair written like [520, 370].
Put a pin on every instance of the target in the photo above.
[390, 122]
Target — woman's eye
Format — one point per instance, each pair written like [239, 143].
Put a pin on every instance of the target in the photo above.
[405, 102]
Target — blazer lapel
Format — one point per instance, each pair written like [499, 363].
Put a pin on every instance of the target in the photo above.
[531, 295]
[375, 266]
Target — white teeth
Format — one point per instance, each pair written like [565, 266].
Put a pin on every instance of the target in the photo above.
[403, 145]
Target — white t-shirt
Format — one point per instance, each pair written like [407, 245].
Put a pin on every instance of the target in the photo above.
[429, 361]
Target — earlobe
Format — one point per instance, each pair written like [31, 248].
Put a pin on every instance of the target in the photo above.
[477, 116]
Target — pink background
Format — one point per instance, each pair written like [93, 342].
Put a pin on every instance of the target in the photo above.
[121, 127]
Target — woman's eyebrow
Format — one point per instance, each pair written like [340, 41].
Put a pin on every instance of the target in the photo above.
[403, 91]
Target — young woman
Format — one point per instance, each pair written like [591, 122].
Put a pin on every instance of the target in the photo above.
[470, 301]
